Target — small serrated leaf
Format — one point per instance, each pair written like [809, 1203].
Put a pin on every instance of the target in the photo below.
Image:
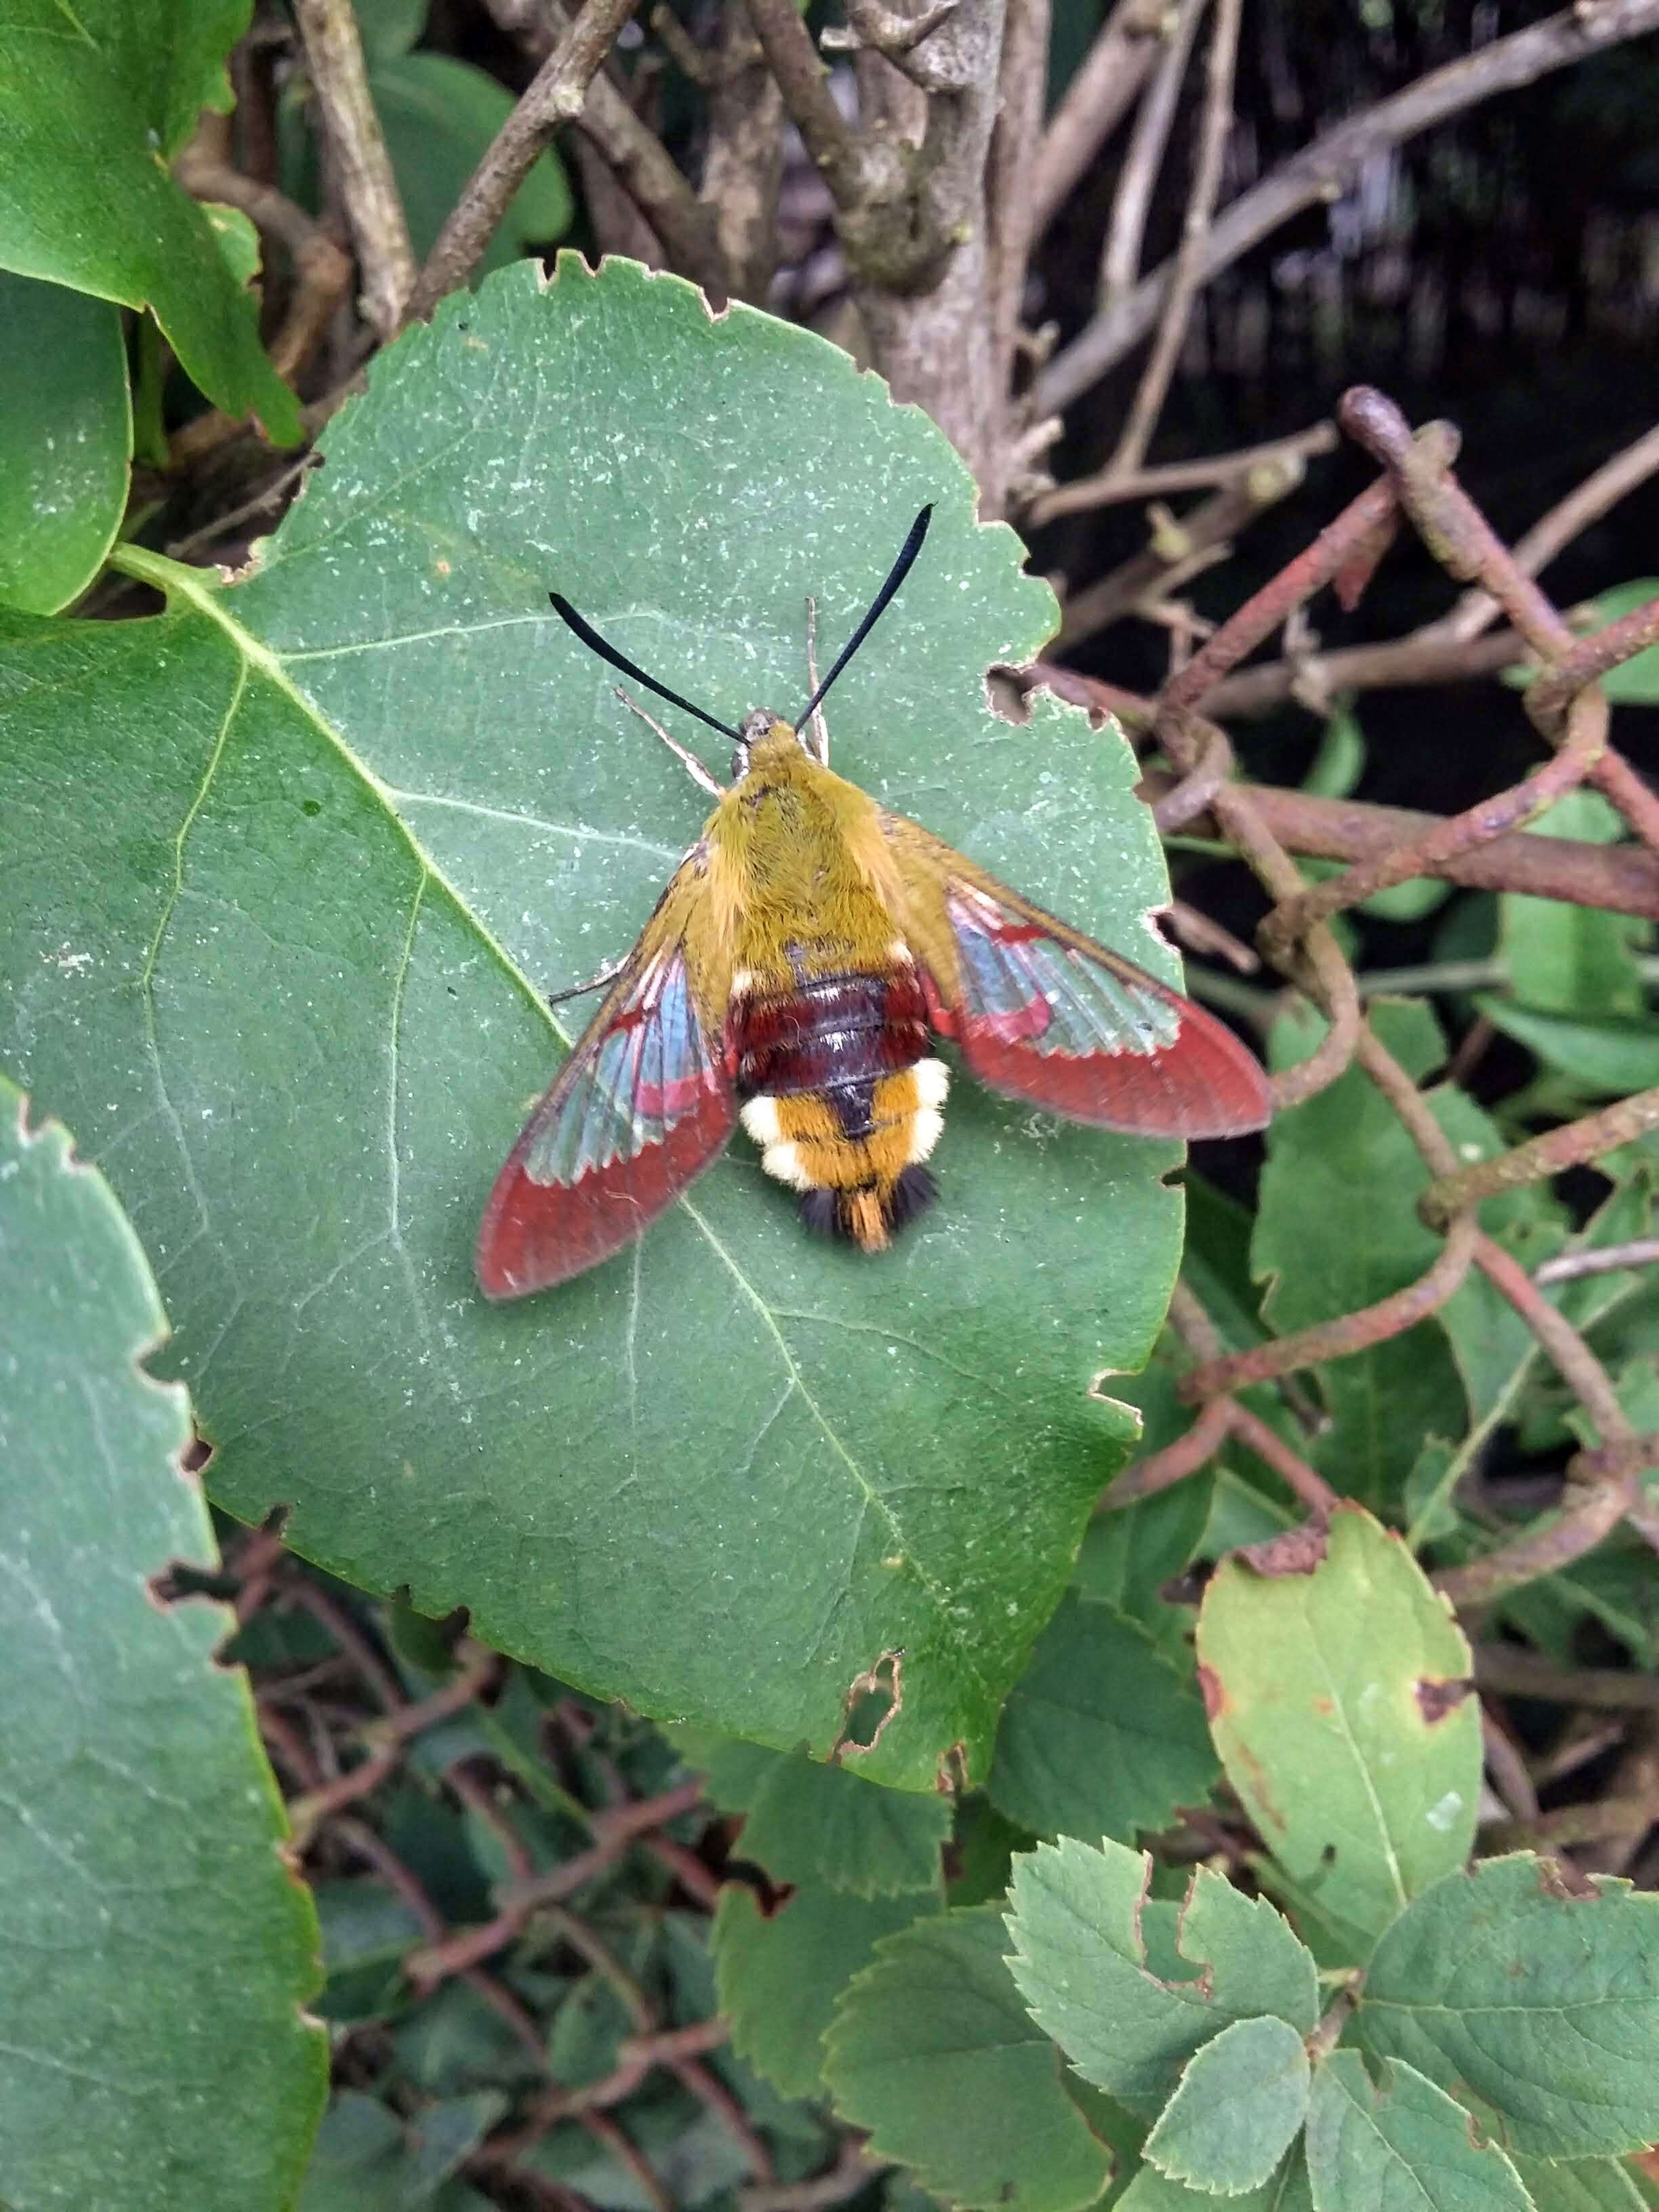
[932, 2051]
[1239, 2105]
[1101, 1735]
[1286, 2191]
[1545, 2002]
[807, 1822]
[777, 1975]
[1082, 1963]
[1371, 2146]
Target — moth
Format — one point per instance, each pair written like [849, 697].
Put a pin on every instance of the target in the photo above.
[805, 954]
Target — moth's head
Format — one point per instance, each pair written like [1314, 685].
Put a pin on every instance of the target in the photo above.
[764, 732]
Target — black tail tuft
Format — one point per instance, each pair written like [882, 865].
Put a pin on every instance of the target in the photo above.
[825, 1212]
[913, 1193]
[821, 1212]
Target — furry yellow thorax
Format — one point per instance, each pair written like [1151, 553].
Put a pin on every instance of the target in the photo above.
[801, 881]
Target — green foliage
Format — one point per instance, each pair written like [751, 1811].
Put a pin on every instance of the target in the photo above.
[779, 1974]
[1130, 1989]
[67, 440]
[1369, 2142]
[92, 99]
[1543, 2003]
[157, 1951]
[807, 1822]
[1239, 2103]
[1339, 1700]
[384, 796]
[290, 868]
[932, 2051]
[1101, 1735]
[438, 115]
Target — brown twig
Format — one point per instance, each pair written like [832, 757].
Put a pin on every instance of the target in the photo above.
[557, 93]
[920, 252]
[1425, 657]
[1568, 1146]
[831, 141]
[1552, 533]
[1598, 1259]
[1115, 486]
[1465, 544]
[1519, 1673]
[322, 272]
[1185, 275]
[638, 163]
[1009, 203]
[742, 166]
[1119, 260]
[1178, 548]
[334, 60]
[1324, 169]
[1100, 95]
[1458, 833]
[850, 2176]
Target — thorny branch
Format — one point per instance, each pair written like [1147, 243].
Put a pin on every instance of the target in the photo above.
[1603, 1482]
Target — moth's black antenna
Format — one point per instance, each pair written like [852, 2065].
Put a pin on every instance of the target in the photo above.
[896, 576]
[591, 638]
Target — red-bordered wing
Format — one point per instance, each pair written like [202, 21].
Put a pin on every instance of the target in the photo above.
[1042, 1013]
[641, 1106]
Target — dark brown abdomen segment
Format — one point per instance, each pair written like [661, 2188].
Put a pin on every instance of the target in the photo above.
[836, 1036]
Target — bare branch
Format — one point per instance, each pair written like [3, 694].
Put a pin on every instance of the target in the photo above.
[1555, 530]
[557, 93]
[1176, 545]
[873, 28]
[1401, 664]
[921, 260]
[1019, 119]
[1122, 59]
[1323, 170]
[1112, 487]
[334, 58]
[1195, 228]
[743, 169]
[795, 61]
[1120, 262]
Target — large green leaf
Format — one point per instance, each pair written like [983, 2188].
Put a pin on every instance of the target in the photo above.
[91, 99]
[156, 1950]
[288, 869]
[65, 438]
[1338, 1701]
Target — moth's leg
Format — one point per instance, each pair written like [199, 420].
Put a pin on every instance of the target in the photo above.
[606, 976]
[820, 727]
[692, 767]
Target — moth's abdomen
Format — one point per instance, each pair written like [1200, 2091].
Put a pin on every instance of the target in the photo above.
[843, 1096]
